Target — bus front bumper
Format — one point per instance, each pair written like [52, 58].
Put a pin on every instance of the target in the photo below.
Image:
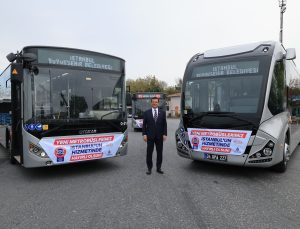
[33, 161]
[239, 160]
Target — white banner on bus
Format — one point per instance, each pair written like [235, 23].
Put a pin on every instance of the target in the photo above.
[139, 123]
[220, 141]
[71, 149]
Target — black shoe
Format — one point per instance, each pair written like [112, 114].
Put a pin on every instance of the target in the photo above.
[148, 172]
[160, 171]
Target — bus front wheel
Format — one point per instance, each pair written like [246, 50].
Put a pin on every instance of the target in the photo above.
[11, 157]
[282, 166]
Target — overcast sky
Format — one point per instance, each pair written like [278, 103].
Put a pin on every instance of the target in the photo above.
[155, 37]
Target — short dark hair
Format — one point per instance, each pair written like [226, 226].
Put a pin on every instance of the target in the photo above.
[154, 98]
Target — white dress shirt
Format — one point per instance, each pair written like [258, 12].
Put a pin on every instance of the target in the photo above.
[153, 110]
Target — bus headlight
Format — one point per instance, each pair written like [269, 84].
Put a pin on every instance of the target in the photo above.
[34, 149]
[124, 141]
[267, 151]
[180, 137]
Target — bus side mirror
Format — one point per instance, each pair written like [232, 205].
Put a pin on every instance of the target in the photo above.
[6, 83]
[11, 57]
[290, 54]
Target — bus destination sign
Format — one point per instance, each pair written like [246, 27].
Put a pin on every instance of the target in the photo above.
[148, 96]
[69, 58]
[227, 69]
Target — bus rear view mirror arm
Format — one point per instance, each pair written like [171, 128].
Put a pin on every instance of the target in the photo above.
[6, 85]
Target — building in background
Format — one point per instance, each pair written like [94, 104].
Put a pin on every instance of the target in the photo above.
[173, 108]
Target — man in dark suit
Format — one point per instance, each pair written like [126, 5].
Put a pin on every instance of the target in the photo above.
[154, 133]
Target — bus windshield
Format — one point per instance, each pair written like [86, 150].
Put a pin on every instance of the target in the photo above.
[58, 93]
[235, 86]
[141, 105]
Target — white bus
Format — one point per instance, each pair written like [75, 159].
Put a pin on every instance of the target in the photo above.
[141, 101]
[241, 106]
[62, 106]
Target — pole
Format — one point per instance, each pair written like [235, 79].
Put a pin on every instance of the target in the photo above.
[281, 26]
[282, 5]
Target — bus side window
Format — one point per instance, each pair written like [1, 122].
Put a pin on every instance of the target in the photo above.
[277, 97]
[5, 86]
[293, 91]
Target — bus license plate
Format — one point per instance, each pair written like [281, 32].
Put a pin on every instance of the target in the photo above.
[215, 157]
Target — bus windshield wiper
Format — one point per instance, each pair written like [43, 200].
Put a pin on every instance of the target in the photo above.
[235, 116]
[223, 114]
[51, 130]
[116, 111]
[41, 116]
[211, 113]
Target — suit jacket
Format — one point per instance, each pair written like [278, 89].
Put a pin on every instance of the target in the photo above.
[154, 130]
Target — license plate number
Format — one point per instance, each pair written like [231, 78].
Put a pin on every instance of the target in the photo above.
[215, 157]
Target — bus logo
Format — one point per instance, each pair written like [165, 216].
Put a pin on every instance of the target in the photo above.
[87, 131]
[60, 154]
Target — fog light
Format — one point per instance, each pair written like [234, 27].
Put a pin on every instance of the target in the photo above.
[267, 151]
[258, 155]
[179, 144]
[43, 154]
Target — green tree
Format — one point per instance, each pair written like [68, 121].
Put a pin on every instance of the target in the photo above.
[146, 84]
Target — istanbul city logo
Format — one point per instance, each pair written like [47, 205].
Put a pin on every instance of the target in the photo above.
[195, 142]
[60, 154]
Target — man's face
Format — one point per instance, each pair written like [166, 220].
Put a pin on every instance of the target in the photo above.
[154, 103]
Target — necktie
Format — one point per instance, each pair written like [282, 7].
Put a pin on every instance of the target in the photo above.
[155, 115]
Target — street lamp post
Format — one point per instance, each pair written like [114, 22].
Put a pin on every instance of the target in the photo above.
[282, 5]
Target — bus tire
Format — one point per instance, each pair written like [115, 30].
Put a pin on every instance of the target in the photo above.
[7, 142]
[282, 166]
[8, 147]
[11, 158]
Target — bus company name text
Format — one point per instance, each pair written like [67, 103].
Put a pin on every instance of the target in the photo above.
[79, 61]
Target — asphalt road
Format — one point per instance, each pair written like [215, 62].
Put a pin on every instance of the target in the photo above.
[116, 193]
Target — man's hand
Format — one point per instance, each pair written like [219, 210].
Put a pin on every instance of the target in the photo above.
[164, 137]
[145, 138]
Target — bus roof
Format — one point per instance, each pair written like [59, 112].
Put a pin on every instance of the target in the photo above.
[263, 48]
[238, 49]
[66, 48]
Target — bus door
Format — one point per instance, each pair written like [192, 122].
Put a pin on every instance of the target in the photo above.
[16, 149]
